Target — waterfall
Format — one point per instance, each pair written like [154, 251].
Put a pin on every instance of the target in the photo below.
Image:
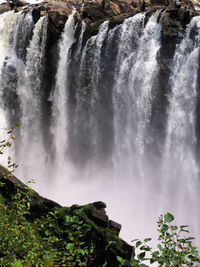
[30, 97]
[87, 129]
[130, 34]
[180, 183]
[86, 125]
[133, 92]
[60, 97]
[80, 43]
[7, 20]
[22, 32]
[21, 79]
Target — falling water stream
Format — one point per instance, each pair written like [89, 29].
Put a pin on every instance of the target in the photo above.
[60, 97]
[91, 136]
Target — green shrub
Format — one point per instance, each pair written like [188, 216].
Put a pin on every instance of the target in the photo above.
[174, 249]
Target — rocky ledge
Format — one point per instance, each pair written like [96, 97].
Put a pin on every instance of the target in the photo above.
[103, 233]
[176, 15]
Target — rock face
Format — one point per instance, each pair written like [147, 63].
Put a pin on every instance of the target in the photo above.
[175, 16]
[177, 13]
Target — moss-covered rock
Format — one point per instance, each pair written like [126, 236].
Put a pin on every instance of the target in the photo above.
[99, 231]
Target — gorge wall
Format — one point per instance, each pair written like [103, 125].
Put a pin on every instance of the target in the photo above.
[107, 94]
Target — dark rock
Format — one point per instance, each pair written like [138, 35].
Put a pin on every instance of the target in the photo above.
[99, 205]
[18, 3]
[75, 206]
[36, 14]
[186, 17]
[106, 4]
[115, 225]
[160, 2]
[99, 218]
[174, 13]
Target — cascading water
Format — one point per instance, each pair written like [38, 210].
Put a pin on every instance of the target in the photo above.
[181, 141]
[133, 93]
[7, 21]
[90, 136]
[80, 43]
[22, 32]
[60, 97]
[30, 97]
[86, 126]
[130, 33]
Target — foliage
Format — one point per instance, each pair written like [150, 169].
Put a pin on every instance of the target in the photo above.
[7, 142]
[42, 242]
[174, 249]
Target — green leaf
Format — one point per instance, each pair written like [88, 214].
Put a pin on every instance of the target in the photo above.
[190, 238]
[70, 246]
[119, 259]
[152, 261]
[155, 253]
[147, 239]
[138, 243]
[168, 217]
[111, 243]
[81, 251]
[141, 255]
[81, 264]
[134, 262]
[164, 228]
[145, 248]
[134, 240]
[184, 226]
[173, 227]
